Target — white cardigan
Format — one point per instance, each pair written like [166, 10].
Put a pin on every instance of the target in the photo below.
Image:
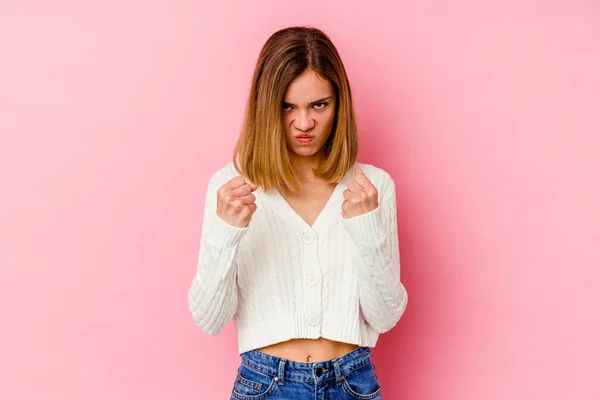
[279, 278]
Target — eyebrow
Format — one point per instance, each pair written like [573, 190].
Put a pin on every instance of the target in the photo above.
[314, 102]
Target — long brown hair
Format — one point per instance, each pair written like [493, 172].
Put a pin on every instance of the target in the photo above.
[261, 153]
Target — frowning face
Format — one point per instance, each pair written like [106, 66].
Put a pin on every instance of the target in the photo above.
[308, 114]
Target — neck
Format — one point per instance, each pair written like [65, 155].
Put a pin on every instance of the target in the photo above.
[303, 166]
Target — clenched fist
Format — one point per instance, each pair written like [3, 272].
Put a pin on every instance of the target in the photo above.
[360, 197]
[235, 202]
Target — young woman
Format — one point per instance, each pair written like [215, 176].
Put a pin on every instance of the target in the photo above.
[299, 242]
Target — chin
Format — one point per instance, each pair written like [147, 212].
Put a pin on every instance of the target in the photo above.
[306, 151]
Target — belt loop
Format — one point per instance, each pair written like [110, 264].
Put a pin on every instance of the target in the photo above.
[281, 373]
[338, 372]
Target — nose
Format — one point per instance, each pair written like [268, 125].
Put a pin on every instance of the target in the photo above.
[303, 122]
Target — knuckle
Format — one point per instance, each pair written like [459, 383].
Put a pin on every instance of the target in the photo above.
[248, 211]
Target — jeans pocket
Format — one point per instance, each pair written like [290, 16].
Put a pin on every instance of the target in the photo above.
[362, 383]
[252, 385]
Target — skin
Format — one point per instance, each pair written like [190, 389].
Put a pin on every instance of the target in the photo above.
[308, 108]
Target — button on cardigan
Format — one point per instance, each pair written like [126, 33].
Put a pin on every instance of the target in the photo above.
[281, 278]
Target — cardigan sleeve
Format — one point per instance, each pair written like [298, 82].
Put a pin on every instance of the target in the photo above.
[382, 297]
[212, 295]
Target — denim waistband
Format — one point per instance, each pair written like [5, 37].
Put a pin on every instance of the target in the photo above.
[335, 368]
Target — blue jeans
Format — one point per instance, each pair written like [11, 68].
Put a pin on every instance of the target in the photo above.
[351, 376]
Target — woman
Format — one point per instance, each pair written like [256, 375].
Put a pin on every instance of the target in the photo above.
[299, 241]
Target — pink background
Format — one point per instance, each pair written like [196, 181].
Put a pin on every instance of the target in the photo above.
[113, 115]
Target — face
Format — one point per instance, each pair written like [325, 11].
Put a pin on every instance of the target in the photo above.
[308, 113]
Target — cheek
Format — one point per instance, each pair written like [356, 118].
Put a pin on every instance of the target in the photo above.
[285, 122]
[326, 119]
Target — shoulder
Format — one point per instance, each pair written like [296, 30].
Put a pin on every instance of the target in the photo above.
[379, 177]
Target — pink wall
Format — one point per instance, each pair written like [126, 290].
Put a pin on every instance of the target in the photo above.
[113, 115]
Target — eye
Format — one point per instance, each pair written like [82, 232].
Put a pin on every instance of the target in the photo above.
[318, 106]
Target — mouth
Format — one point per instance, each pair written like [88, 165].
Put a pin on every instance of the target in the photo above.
[304, 138]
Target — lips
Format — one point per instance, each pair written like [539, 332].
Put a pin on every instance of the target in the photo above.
[304, 139]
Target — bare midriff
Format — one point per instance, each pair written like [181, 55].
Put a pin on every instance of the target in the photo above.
[309, 350]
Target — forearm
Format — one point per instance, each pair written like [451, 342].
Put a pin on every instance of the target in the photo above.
[212, 295]
[382, 296]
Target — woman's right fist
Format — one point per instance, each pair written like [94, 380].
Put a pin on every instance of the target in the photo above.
[235, 202]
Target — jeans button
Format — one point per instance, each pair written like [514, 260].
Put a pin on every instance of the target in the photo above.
[319, 371]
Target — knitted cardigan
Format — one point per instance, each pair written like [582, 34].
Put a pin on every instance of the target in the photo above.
[280, 278]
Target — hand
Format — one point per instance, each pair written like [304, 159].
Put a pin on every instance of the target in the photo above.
[235, 202]
[360, 197]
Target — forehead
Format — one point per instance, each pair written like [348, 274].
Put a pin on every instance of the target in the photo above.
[308, 87]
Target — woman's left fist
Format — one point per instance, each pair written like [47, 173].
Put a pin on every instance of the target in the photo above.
[360, 196]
